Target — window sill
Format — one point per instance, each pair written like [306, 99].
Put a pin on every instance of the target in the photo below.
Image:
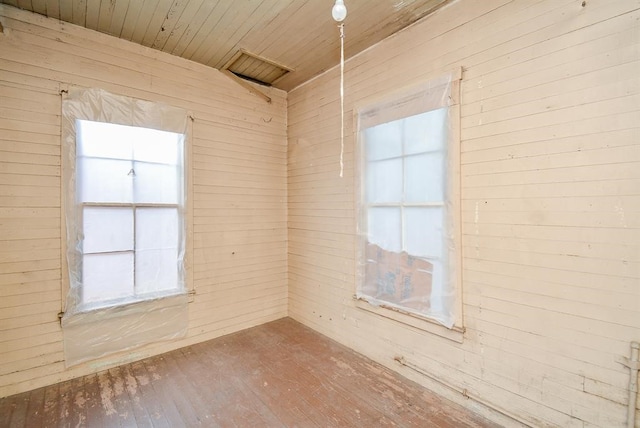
[126, 306]
[455, 334]
[95, 333]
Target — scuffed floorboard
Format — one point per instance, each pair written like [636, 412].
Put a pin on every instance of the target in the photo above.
[280, 374]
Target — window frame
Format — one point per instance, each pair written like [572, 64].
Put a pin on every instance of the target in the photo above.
[74, 305]
[401, 205]
[453, 221]
[83, 305]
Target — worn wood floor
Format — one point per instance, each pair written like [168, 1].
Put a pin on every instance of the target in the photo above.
[280, 374]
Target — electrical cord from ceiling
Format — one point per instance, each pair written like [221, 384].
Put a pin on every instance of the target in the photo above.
[339, 13]
[341, 100]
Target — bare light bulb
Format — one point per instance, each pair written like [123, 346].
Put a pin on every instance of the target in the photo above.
[339, 11]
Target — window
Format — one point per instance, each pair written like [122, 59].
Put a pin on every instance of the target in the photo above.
[129, 185]
[125, 180]
[407, 204]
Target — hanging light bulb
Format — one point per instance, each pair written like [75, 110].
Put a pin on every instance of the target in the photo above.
[339, 11]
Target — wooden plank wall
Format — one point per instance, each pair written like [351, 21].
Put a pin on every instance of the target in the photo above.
[239, 260]
[550, 204]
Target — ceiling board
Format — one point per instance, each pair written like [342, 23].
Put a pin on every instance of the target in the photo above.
[298, 34]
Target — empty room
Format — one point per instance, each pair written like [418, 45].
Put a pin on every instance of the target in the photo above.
[319, 213]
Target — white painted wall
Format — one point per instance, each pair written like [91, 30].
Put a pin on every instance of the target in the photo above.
[550, 141]
[238, 264]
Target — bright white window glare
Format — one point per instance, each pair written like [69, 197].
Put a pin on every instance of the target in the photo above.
[425, 132]
[424, 177]
[103, 140]
[156, 183]
[107, 229]
[424, 232]
[158, 146]
[104, 180]
[384, 181]
[382, 141]
[107, 276]
[157, 228]
[385, 228]
[112, 141]
[157, 270]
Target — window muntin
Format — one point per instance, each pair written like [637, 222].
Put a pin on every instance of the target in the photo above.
[129, 186]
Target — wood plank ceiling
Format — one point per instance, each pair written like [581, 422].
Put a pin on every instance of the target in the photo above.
[299, 35]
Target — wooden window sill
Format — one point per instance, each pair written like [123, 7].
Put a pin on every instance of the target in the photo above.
[455, 334]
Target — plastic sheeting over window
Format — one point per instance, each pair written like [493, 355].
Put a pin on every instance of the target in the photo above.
[406, 252]
[124, 203]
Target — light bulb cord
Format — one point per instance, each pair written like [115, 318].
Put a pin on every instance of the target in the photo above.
[341, 100]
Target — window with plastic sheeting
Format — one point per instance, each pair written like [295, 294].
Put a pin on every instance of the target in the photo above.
[129, 186]
[124, 208]
[408, 212]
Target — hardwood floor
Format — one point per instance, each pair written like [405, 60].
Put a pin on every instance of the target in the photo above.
[280, 374]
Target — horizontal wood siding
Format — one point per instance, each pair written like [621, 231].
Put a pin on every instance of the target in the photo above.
[238, 167]
[550, 161]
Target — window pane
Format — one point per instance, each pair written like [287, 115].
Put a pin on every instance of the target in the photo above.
[425, 132]
[156, 183]
[156, 228]
[104, 180]
[107, 229]
[384, 141]
[424, 178]
[106, 276]
[156, 253]
[156, 270]
[158, 146]
[424, 231]
[384, 228]
[384, 181]
[112, 141]
[103, 140]
[127, 164]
